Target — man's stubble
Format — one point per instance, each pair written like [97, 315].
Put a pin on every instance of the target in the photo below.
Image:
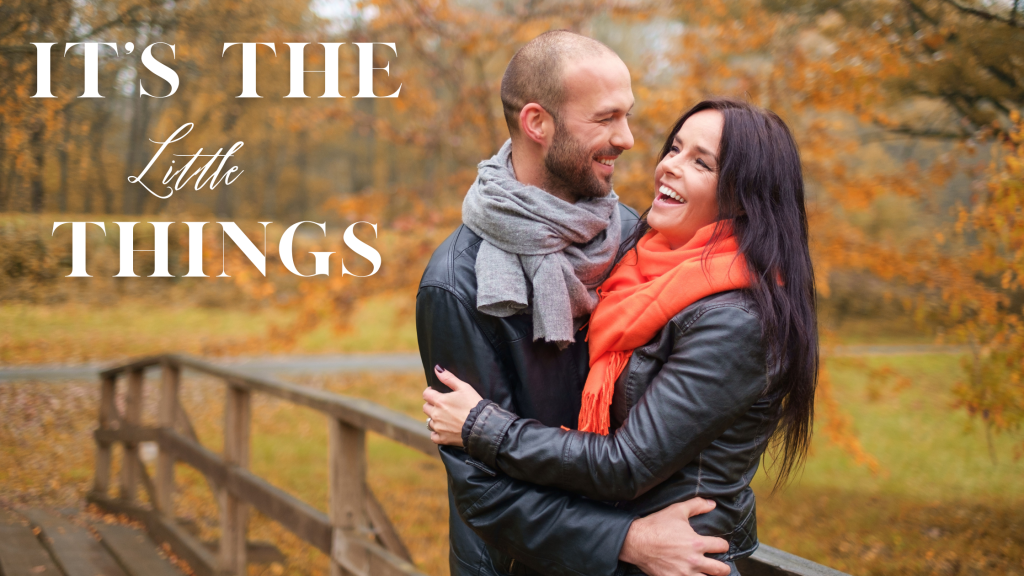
[568, 167]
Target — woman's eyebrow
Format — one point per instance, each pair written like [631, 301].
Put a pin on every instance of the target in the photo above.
[707, 152]
[699, 148]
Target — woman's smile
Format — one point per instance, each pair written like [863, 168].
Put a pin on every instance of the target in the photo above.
[669, 196]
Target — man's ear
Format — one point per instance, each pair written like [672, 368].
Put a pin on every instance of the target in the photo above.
[536, 124]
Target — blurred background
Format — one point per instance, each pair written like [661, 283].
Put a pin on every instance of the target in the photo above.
[907, 113]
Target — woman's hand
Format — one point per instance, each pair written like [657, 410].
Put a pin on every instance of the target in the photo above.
[448, 412]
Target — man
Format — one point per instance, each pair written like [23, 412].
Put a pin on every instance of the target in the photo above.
[503, 303]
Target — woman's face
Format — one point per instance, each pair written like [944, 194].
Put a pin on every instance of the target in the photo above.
[686, 180]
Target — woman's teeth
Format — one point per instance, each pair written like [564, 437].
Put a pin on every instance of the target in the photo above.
[606, 162]
[671, 194]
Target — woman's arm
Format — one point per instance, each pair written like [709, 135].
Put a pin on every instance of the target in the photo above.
[716, 371]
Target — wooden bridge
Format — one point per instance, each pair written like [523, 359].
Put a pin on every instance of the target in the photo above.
[355, 532]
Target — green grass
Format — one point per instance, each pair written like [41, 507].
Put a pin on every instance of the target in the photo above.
[926, 448]
[939, 503]
[70, 333]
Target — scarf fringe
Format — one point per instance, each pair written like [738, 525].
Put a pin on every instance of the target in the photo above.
[595, 413]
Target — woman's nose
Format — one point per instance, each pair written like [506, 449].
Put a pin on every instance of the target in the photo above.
[672, 165]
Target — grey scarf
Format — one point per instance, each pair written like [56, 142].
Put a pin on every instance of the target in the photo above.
[533, 240]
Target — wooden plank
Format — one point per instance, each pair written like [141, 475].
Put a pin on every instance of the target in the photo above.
[137, 364]
[256, 552]
[380, 561]
[234, 513]
[184, 423]
[133, 549]
[128, 434]
[132, 416]
[300, 518]
[385, 530]
[346, 505]
[75, 551]
[163, 530]
[167, 410]
[768, 561]
[356, 412]
[21, 552]
[147, 482]
[303, 520]
[104, 450]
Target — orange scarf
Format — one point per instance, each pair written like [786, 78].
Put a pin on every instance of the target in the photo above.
[642, 294]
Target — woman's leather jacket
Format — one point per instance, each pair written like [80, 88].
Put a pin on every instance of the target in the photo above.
[690, 417]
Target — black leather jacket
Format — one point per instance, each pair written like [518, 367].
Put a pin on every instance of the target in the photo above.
[499, 525]
[689, 418]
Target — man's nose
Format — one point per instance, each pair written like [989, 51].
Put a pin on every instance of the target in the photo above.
[621, 136]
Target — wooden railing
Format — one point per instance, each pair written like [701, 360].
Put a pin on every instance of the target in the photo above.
[355, 533]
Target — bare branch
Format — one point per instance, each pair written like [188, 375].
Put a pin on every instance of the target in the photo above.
[986, 15]
[906, 131]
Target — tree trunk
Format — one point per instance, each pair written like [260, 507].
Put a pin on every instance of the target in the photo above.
[97, 133]
[274, 156]
[5, 176]
[62, 159]
[134, 195]
[38, 193]
[302, 165]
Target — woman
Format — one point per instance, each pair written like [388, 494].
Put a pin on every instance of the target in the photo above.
[703, 347]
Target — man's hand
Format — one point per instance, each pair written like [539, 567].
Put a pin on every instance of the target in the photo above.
[664, 544]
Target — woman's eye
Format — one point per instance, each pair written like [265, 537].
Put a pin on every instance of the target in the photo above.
[702, 163]
[674, 149]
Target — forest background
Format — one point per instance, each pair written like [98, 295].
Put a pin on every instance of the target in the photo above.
[907, 113]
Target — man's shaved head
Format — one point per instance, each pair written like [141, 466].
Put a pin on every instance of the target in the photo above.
[536, 72]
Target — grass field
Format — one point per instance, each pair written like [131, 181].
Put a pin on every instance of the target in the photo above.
[939, 505]
[73, 333]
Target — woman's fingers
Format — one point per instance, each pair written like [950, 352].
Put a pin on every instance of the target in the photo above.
[432, 396]
[449, 379]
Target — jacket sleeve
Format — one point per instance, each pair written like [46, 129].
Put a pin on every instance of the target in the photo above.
[716, 371]
[547, 529]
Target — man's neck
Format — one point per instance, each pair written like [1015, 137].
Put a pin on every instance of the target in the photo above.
[529, 169]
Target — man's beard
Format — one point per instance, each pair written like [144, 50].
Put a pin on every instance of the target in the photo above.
[568, 167]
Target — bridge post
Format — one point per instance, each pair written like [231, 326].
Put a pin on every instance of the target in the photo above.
[167, 411]
[104, 449]
[347, 499]
[130, 464]
[234, 512]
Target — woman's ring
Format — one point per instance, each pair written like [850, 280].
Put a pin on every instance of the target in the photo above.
[429, 420]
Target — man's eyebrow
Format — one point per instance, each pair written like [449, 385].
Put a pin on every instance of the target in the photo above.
[613, 110]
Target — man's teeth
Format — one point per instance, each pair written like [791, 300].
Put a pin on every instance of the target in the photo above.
[607, 162]
[671, 194]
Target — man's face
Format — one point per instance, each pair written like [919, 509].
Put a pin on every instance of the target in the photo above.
[590, 129]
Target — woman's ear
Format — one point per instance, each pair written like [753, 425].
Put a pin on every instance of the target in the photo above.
[537, 124]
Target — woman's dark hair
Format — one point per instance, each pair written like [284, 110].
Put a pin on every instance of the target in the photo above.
[761, 192]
